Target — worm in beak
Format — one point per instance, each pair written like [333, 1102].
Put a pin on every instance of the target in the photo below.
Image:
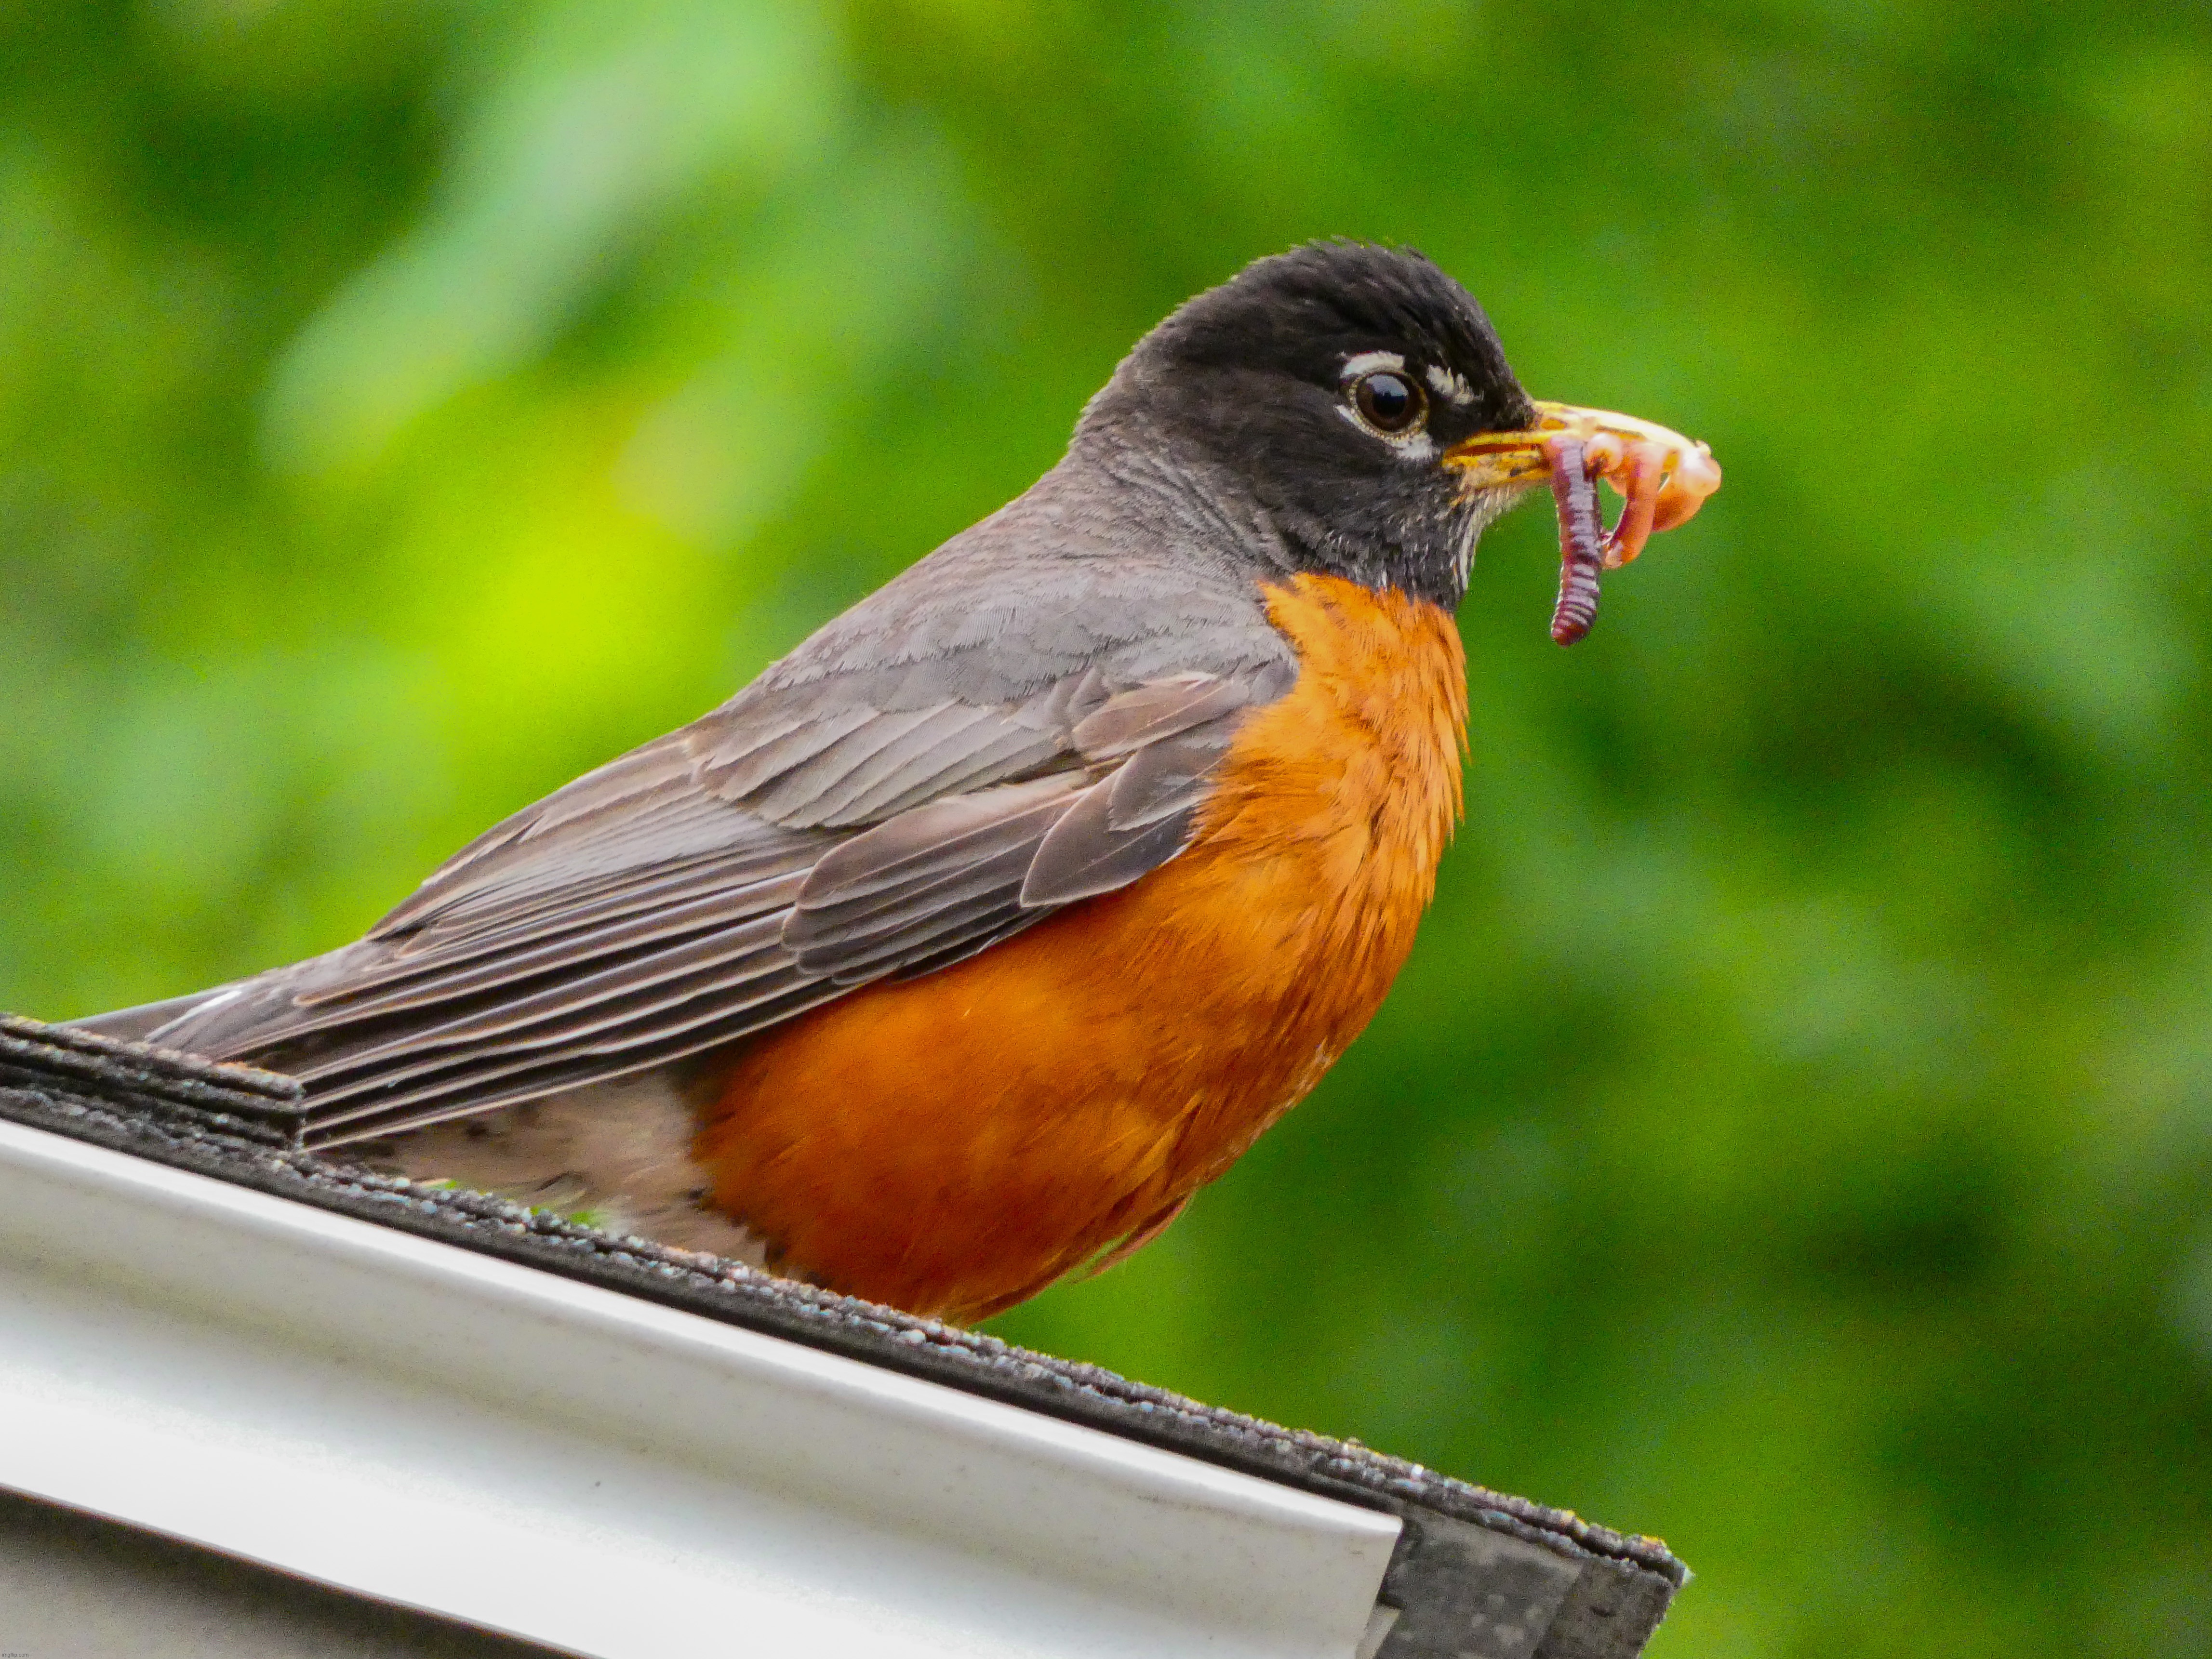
[1661, 476]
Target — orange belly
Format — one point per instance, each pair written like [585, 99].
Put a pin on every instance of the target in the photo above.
[952, 1143]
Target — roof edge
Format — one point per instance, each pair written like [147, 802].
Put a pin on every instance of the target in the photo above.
[231, 1123]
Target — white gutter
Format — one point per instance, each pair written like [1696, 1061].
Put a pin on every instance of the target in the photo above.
[443, 1430]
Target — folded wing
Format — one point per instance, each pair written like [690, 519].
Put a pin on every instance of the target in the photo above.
[758, 863]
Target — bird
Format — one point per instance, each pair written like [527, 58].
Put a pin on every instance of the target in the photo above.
[956, 951]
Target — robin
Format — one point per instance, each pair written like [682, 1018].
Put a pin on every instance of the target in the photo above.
[961, 947]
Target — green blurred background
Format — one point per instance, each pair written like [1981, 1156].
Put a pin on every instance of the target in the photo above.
[1792, 1134]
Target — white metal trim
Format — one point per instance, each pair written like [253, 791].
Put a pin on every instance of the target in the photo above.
[446, 1430]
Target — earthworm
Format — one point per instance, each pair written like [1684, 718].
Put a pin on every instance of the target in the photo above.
[1582, 540]
[1662, 477]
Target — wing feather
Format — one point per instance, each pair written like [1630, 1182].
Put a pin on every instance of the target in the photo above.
[799, 841]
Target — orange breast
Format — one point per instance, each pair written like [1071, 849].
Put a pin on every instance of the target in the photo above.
[955, 1143]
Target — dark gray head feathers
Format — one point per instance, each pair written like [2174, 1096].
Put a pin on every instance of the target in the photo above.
[1247, 388]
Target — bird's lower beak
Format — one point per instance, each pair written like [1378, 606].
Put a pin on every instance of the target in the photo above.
[1663, 476]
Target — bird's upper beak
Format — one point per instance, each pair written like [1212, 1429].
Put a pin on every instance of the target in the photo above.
[1663, 476]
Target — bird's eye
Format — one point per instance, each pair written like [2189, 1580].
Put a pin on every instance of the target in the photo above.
[1388, 402]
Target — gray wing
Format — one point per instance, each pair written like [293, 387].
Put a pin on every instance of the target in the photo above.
[865, 811]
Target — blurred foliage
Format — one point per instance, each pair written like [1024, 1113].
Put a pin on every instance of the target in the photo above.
[1792, 1134]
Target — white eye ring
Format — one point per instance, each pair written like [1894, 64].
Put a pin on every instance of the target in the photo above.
[1411, 441]
[1366, 363]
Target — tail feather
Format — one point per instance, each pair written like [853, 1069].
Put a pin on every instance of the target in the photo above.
[146, 1021]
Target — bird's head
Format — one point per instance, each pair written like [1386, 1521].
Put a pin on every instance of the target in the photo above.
[1356, 397]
